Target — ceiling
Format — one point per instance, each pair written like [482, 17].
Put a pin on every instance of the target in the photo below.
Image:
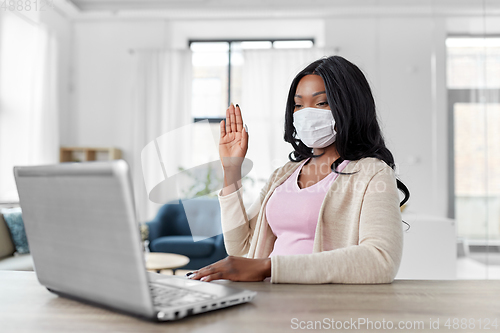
[214, 9]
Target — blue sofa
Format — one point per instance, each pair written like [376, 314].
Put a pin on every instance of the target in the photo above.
[201, 239]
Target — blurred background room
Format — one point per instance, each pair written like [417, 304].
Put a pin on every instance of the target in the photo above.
[105, 79]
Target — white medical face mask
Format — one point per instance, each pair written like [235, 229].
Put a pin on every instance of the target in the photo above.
[315, 127]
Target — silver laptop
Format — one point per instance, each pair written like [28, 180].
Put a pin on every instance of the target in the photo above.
[85, 242]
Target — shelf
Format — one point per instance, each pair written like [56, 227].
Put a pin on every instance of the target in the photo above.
[83, 154]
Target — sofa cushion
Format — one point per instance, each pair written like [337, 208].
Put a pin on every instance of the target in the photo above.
[6, 246]
[184, 245]
[14, 220]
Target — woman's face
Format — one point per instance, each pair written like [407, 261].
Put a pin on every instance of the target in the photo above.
[310, 93]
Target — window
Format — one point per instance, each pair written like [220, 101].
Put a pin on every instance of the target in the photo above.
[17, 39]
[216, 82]
[473, 81]
[29, 131]
[217, 70]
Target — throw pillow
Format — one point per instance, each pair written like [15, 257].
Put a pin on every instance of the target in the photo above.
[14, 220]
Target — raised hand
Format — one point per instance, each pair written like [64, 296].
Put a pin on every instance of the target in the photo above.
[233, 144]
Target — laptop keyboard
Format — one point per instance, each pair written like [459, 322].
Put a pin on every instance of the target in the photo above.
[164, 296]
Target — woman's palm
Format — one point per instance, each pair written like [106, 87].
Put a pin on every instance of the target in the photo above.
[233, 144]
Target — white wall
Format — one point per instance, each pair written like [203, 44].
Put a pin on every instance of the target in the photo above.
[63, 29]
[102, 79]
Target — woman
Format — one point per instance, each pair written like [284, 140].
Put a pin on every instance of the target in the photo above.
[329, 215]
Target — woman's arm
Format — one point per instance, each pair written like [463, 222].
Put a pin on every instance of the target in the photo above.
[238, 224]
[375, 260]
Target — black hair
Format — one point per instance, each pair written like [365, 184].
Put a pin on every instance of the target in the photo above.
[353, 108]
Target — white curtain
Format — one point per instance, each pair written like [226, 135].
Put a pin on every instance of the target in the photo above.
[161, 100]
[45, 111]
[29, 121]
[267, 75]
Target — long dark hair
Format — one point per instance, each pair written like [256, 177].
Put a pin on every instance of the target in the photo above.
[353, 108]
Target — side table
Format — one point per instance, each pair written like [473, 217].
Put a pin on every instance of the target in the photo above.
[156, 261]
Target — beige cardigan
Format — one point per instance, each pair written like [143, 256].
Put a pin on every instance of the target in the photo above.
[359, 235]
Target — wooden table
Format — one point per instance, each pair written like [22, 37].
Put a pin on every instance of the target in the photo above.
[26, 306]
[156, 261]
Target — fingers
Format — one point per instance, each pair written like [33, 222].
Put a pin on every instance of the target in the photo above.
[222, 129]
[238, 118]
[211, 277]
[233, 118]
[228, 120]
[202, 272]
[244, 139]
[191, 274]
[211, 272]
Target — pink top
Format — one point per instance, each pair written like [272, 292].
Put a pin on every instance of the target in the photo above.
[292, 212]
